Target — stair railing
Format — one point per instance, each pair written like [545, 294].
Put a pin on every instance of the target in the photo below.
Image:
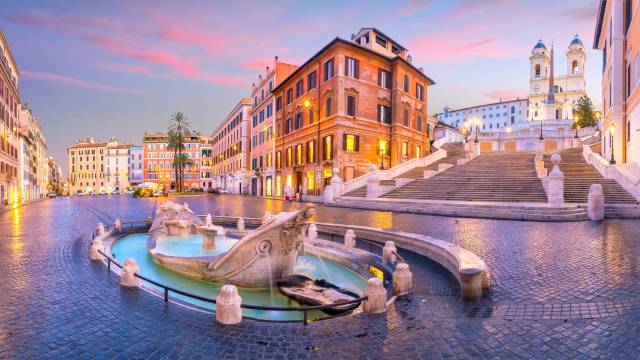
[623, 176]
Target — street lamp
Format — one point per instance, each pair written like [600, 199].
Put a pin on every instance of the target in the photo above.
[576, 117]
[476, 121]
[612, 128]
[383, 149]
[541, 137]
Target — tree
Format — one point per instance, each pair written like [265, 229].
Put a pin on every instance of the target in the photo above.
[174, 142]
[180, 126]
[585, 113]
[180, 161]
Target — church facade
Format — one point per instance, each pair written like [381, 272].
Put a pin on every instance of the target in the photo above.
[551, 96]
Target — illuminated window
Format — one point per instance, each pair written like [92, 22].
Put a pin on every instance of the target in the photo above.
[289, 157]
[405, 148]
[327, 151]
[278, 185]
[278, 160]
[299, 154]
[289, 180]
[268, 192]
[311, 154]
[351, 142]
[310, 180]
[418, 151]
[269, 160]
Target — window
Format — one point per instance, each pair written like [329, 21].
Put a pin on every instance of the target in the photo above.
[298, 120]
[279, 103]
[310, 180]
[289, 96]
[261, 116]
[327, 107]
[299, 154]
[269, 160]
[513, 119]
[255, 121]
[328, 69]
[381, 41]
[574, 67]
[384, 79]
[269, 110]
[327, 148]
[628, 80]
[311, 81]
[310, 116]
[405, 148]
[279, 160]
[405, 117]
[420, 92]
[287, 126]
[635, 71]
[299, 88]
[384, 114]
[351, 142]
[311, 152]
[418, 153]
[419, 123]
[406, 83]
[537, 69]
[351, 105]
[289, 157]
[351, 67]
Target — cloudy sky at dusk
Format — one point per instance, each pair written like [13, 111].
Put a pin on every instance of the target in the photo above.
[119, 68]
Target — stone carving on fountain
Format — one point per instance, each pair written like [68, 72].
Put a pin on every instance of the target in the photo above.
[258, 259]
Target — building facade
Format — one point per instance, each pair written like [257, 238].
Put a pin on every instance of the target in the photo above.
[206, 164]
[230, 150]
[617, 35]
[565, 89]
[56, 183]
[499, 116]
[158, 160]
[86, 160]
[9, 109]
[352, 104]
[118, 163]
[262, 128]
[32, 157]
[136, 164]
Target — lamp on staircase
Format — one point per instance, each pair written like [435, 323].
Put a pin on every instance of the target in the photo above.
[612, 128]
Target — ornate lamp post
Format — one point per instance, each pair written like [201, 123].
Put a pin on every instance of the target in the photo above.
[383, 149]
[612, 128]
[541, 137]
[575, 120]
[477, 123]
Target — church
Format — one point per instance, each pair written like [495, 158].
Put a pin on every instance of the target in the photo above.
[551, 96]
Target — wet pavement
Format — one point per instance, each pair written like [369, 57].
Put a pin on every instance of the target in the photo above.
[560, 290]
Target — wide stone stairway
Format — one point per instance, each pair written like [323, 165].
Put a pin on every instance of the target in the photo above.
[490, 177]
[454, 151]
[578, 177]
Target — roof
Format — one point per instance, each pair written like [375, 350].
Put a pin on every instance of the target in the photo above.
[540, 45]
[599, 21]
[87, 145]
[388, 38]
[8, 49]
[350, 43]
[243, 102]
[576, 41]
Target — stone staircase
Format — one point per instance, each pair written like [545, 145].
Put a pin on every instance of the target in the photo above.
[490, 177]
[454, 151]
[578, 177]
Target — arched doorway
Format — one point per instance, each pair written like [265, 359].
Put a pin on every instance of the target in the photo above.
[486, 146]
[550, 145]
[510, 146]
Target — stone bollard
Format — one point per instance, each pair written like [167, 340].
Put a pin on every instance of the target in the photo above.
[127, 277]
[240, 224]
[595, 205]
[389, 253]
[373, 183]
[312, 232]
[149, 221]
[96, 245]
[267, 217]
[117, 225]
[471, 284]
[100, 229]
[228, 310]
[402, 279]
[376, 297]
[555, 184]
[350, 239]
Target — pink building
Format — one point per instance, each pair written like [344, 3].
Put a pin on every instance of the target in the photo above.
[262, 129]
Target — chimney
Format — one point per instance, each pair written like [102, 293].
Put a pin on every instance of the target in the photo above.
[276, 59]
[267, 70]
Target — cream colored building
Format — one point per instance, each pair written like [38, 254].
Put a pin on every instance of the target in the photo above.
[86, 166]
[117, 162]
[33, 171]
[9, 109]
[544, 83]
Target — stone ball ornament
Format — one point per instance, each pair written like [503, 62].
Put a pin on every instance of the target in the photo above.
[556, 159]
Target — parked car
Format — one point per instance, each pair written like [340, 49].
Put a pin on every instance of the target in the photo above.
[52, 195]
[223, 191]
[212, 191]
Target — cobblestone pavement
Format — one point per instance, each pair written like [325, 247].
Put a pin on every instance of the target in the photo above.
[561, 290]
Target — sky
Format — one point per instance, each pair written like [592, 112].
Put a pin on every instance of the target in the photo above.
[120, 68]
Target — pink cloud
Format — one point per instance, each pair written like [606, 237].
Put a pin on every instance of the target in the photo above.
[62, 79]
[507, 94]
[131, 69]
[413, 6]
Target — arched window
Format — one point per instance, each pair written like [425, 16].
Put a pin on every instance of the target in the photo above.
[574, 67]
[557, 113]
[537, 69]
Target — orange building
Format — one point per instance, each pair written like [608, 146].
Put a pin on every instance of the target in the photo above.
[158, 160]
[618, 36]
[352, 104]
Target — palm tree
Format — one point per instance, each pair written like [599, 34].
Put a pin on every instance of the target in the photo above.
[174, 143]
[181, 127]
[180, 161]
